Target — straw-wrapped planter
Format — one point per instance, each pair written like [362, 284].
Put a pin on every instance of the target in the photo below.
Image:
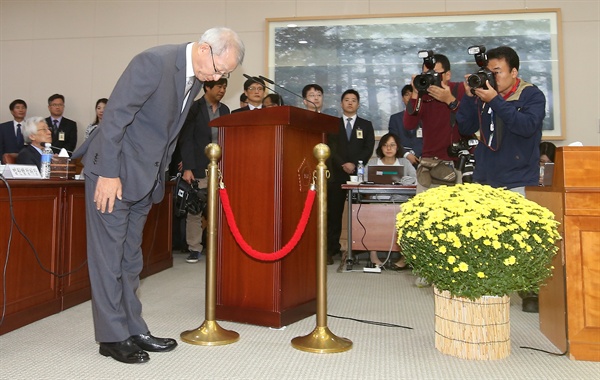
[476, 245]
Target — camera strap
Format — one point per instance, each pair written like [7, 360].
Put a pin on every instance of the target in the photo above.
[414, 111]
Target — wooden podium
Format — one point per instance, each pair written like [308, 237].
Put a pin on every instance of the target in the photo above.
[570, 301]
[267, 165]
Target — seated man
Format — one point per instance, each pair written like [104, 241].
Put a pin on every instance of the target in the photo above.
[35, 133]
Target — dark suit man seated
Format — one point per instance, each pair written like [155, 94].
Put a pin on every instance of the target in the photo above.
[36, 133]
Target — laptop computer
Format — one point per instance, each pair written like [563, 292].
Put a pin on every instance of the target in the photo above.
[385, 174]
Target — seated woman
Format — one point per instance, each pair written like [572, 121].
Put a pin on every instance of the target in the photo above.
[390, 152]
[35, 133]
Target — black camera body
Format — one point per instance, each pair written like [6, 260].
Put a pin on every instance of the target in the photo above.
[189, 198]
[460, 146]
[430, 77]
[478, 80]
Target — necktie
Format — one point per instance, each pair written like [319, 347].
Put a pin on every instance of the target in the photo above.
[349, 128]
[55, 125]
[20, 140]
[188, 87]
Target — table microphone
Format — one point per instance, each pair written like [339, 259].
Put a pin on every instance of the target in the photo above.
[262, 84]
[291, 92]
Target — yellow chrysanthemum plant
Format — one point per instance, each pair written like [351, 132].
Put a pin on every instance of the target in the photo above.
[474, 240]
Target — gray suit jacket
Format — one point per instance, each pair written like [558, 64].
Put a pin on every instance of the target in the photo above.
[142, 120]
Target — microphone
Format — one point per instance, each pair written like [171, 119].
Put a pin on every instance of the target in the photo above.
[262, 84]
[291, 92]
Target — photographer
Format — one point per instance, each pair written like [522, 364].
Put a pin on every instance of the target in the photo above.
[508, 115]
[434, 108]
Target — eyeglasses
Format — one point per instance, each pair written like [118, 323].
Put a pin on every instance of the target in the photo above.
[390, 146]
[217, 72]
[45, 129]
[255, 88]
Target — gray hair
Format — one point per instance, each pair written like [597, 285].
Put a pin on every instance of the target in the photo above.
[223, 40]
[30, 127]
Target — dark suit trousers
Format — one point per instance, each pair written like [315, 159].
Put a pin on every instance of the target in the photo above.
[336, 198]
[115, 261]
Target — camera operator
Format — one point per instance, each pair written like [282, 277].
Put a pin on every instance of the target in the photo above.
[508, 116]
[195, 136]
[434, 108]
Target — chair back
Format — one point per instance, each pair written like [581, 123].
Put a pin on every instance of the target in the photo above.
[9, 158]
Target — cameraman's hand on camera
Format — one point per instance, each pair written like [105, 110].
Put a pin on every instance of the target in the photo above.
[188, 176]
[486, 94]
[467, 87]
[442, 94]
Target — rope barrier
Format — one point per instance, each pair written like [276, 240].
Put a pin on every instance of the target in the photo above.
[286, 249]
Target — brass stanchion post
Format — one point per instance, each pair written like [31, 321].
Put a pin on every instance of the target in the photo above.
[210, 333]
[321, 340]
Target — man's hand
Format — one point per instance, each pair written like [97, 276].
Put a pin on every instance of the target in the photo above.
[349, 167]
[442, 94]
[487, 94]
[188, 176]
[467, 87]
[107, 189]
[412, 158]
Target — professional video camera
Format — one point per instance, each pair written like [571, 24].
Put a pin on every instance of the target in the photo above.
[460, 146]
[189, 198]
[430, 77]
[466, 160]
[478, 79]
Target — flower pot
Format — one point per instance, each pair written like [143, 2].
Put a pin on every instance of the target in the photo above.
[472, 329]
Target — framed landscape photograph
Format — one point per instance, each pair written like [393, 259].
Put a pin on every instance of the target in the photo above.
[377, 56]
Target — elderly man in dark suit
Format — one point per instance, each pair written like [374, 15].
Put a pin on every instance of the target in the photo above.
[64, 131]
[11, 132]
[354, 142]
[125, 163]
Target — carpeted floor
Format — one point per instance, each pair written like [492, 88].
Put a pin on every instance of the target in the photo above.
[62, 346]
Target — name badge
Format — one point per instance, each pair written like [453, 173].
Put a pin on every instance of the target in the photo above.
[419, 133]
[61, 136]
[359, 134]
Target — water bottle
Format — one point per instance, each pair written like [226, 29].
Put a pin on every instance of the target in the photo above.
[46, 161]
[360, 172]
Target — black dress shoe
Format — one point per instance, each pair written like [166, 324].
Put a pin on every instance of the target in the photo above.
[151, 343]
[125, 352]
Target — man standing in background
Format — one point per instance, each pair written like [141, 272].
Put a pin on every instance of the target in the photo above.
[11, 134]
[126, 159]
[195, 136]
[64, 131]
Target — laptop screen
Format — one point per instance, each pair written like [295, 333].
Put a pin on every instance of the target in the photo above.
[385, 174]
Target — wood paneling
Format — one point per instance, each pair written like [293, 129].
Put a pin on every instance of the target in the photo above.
[570, 302]
[47, 263]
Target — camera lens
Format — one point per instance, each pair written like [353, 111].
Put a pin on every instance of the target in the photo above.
[476, 80]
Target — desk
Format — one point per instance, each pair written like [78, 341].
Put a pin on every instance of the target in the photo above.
[377, 214]
[51, 213]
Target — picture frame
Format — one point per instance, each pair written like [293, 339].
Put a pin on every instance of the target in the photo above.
[377, 55]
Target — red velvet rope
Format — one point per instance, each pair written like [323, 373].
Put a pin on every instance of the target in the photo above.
[286, 249]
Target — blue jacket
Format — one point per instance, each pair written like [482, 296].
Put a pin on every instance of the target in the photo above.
[512, 158]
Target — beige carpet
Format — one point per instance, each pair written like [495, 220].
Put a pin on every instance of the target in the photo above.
[62, 346]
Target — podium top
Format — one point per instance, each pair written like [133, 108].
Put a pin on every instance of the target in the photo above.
[277, 116]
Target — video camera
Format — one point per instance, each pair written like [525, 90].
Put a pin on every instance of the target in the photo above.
[478, 79]
[189, 198]
[466, 160]
[430, 77]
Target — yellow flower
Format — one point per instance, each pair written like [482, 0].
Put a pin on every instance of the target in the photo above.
[455, 269]
[510, 261]
[463, 267]
[480, 274]
[442, 249]
[451, 259]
